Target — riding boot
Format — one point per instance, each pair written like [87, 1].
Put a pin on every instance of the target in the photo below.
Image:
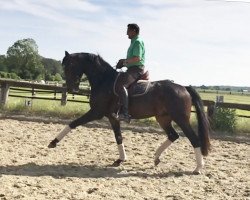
[123, 114]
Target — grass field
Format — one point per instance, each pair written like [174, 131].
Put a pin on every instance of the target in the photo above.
[72, 109]
[46, 107]
[241, 99]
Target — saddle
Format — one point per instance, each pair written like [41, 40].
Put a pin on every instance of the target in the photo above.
[139, 87]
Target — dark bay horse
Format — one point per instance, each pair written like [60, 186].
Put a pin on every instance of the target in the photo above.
[165, 100]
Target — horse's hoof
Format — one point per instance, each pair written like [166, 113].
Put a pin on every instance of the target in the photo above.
[196, 172]
[157, 161]
[53, 143]
[117, 163]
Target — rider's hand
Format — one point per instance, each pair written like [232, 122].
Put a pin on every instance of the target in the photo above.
[120, 64]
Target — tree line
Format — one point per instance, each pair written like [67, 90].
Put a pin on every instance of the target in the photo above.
[22, 61]
[223, 88]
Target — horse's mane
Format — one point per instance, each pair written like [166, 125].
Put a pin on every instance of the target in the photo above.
[100, 62]
[101, 70]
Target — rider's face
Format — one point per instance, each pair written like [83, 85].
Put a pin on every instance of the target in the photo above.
[131, 33]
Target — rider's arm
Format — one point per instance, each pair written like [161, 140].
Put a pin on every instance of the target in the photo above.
[132, 60]
[136, 54]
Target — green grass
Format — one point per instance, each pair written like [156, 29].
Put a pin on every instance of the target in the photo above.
[47, 107]
[233, 98]
[243, 124]
[241, 99]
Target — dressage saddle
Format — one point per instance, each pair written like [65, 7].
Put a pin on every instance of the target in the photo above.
[140, 86]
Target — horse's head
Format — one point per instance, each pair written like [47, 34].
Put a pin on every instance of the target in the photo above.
[73, 71]
[93, 66]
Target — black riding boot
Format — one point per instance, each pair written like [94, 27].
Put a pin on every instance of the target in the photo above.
[123, 114]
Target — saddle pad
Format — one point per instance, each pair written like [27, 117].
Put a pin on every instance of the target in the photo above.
[139, 88]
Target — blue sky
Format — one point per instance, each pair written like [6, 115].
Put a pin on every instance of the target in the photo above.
[192, 42]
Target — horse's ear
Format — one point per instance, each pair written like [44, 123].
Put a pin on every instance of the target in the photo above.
[66, 53]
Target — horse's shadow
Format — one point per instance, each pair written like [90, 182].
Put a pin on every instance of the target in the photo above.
[78, 171]
[60, 170]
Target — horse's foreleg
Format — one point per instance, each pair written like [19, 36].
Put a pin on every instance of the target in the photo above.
[117, 130]
[89, 116]
[60, 136]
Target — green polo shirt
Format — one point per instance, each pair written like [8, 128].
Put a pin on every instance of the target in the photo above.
[136, 48]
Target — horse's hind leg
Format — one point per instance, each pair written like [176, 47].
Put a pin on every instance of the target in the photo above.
[165, 123]
[195, 141]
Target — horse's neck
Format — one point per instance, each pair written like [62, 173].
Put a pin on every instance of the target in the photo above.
[96, 80]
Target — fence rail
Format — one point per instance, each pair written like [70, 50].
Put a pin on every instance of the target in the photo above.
[224, 92]
[33, 88]
[211, 106]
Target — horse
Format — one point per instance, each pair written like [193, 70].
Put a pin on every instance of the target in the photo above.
[167, 101]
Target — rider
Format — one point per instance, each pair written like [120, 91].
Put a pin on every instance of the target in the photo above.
[135, 68]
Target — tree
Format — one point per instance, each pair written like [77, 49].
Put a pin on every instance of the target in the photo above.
[23, 59]
[203, 87]
[216, 87]
[3, 63]
[52, 67]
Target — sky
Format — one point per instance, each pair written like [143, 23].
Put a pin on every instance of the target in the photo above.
[192, 42]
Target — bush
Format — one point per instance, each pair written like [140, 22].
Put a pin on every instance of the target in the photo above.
[9, 75]
[13, 76]
[40, 77]
[224, 119]
[3, 75]
[58, 77]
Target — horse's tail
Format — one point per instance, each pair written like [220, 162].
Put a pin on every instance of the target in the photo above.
[203, 123]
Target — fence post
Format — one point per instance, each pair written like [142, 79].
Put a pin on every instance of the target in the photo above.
[4, 93]
[33, 93]
[55, 94]
[210, 112]
[64, 97]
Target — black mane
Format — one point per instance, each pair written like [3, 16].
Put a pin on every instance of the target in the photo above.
[99, 70]
[100, 63]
